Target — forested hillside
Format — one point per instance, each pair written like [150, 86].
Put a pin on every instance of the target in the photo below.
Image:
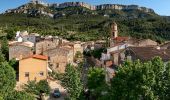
[78, 23]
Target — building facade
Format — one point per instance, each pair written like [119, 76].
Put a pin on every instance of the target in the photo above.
[45, 45]
[20, 50]
[33, 68]
[59, 58]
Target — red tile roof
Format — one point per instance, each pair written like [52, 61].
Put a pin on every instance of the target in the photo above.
[121, 39]
[37, 57]
[40, 57]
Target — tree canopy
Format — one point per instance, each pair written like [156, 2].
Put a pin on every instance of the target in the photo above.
[36, 88]
[71, 81]
[7, 78]
[19, 95]
[137, 80]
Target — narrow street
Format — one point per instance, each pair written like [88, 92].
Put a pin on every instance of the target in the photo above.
[85, 71]
[56, 84]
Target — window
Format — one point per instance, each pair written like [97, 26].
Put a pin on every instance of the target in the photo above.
[41, 73]
[26, 74]
[57, 65]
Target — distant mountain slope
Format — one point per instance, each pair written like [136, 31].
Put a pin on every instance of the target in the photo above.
[82, 23]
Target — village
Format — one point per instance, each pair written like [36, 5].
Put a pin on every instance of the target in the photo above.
[40, 55]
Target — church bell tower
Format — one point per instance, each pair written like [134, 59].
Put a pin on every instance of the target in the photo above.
[113, 33]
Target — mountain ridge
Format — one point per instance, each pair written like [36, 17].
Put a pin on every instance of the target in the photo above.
[81, 4]
[81, 23]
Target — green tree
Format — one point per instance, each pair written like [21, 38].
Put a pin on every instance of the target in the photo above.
[71, 81]
[11, 33]
[19, 95]
[7, 78]
[137, 80]
[43, 86]
[14, 64]
[4, 48]
[36, 88]
[96, 78]
[31, 87]
[166, 82]
[2, 59]
[96, 82]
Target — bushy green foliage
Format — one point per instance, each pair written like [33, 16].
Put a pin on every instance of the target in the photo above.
[19, 95]
[14, 64]
[96, 82]
[96, 78]
[2, 58]
[4, 48]
[7, 79]
[137, 80]
[83, 24]
[71, 81]
[95, 53]
[36, 88]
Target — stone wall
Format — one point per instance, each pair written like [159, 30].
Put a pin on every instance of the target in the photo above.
[59, 58]
[45, 45]
[19, 51]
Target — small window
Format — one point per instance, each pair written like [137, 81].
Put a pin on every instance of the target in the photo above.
[57, 65]
[41, 73]
[26, 74]
[48, 58]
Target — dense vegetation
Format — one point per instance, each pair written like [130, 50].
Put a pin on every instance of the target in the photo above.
[78, 23]
[132, 81]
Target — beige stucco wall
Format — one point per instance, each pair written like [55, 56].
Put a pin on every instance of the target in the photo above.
[34, 67]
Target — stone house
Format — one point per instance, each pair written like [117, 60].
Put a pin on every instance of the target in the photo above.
[33, 68]
[33, 37]
[142, 43]
[59, 57]
[77, 47]
[25, 37]
[45, 45]
[146, 53]
[19, 50]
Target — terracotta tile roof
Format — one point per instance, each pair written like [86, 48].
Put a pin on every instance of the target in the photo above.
[40, 57]
[37, 57]
[147, 53]
[121, 39]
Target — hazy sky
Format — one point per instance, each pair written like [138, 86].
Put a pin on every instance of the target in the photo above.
[161, 7]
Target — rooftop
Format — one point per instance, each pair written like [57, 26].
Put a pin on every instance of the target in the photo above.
[120, 39]
[37, 57]
[15, 43]
[147, 53]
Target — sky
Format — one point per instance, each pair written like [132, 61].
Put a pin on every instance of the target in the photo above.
[161, 7]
